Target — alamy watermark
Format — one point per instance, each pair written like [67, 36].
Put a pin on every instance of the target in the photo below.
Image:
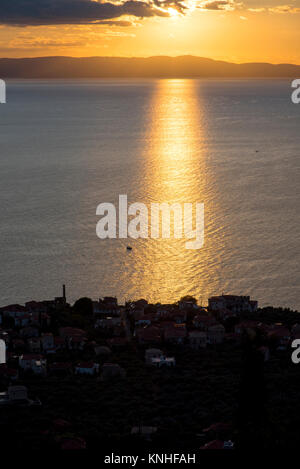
[2, 92]
[138, 221]
[296, 94]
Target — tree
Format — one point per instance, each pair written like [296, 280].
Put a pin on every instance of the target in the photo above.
[83, 306]
[189, 299]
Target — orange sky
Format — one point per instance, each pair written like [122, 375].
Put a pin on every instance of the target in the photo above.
[267, 30]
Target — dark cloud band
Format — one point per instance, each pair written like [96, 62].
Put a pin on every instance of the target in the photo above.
[49, 12]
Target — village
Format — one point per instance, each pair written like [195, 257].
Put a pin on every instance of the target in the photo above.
[52, 340]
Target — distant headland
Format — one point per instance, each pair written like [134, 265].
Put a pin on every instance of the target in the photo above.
[138, 67]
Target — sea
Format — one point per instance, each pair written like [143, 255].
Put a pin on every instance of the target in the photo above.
[67, 146]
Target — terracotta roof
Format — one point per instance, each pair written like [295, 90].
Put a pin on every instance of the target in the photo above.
[117, 341]
[71, 331]
[86, 365]
[31, 356]
[14, 308]
[218, 427]
[215, 444]
[280, 332]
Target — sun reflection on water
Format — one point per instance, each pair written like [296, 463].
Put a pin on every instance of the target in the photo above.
[174, 170]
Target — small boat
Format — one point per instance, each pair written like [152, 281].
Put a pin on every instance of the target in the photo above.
[129, 248]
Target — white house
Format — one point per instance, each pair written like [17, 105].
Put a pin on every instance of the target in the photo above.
[197, 339]
[87, 368]
[163, 361]
[152, 353]
[234, 303]
[34, 362]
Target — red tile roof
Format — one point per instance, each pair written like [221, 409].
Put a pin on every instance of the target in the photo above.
[32, 356]
[215, 444]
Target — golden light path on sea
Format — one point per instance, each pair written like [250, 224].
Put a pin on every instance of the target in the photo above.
[174, 170]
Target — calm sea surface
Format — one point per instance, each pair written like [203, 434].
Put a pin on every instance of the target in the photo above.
[66, 146]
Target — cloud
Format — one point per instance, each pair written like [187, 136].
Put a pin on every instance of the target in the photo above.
[53, 12]
[256, 10]
[176, 4]
[285, 9]
[227, 5]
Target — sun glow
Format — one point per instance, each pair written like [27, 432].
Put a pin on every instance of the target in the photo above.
[173, 12]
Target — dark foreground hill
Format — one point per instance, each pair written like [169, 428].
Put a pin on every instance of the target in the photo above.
[160, 67]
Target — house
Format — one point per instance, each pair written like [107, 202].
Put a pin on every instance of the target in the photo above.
[29, 331]
[197, 339]
[216, 334]
[117, 343]
[149, 335]
[187, 305]
[203, 322]
[34, 344]
[9, 373]
[107, 306]
[41, 319]
[233, 303]
[108, 323]
[18, 344]
[219, 430]
[112, 370]
[102, 350]
[152, 353]
[179, 317]
[36, 306]
[143, 432]
[77, 343]
[14, 311]
[224, 314]
[244, 326]
[165, 311]
[144, 321]
[47, 342]
[295, 330]
[281, 336]
[163, 361]
[59, 343]
[175, 335]
[75, 338]
[5, 337]
[87, 368]
[17, 393]
[136, 313]
[135, 306]
[218, 444]
[18, 313]
[22, 321]
[33, 362]
[69, 332]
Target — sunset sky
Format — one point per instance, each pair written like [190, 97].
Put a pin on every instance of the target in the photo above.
[253, 30]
